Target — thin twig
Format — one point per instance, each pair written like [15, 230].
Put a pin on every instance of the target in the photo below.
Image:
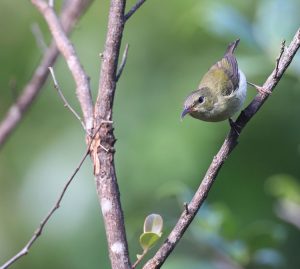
[51, 3]
[40, 41]
[16, 112]
[66, 48]
[66, 104]
[139, 259]
[123, 62]
[39, 230]
[279, 57]
[134, 9]
[218, 161]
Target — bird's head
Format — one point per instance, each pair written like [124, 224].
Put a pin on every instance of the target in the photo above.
[198, 104]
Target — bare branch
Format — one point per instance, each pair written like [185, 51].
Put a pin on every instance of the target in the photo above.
[104, 169]
[40, 41]
[67, 50]
[66, 104]
[218, 161]
[70, 15]
[39, 230]
[123, 62]
[134, 9]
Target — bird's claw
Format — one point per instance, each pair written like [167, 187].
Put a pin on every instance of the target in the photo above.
[234, 126]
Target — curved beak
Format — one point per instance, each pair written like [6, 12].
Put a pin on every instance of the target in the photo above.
[184, 112]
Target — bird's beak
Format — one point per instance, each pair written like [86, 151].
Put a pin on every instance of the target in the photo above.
[184, 112]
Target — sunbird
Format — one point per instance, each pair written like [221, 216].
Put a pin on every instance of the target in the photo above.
[221, 92]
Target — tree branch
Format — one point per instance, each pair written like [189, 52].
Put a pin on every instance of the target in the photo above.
[134, 9]
[40, 41]
[61, 95]
[123, 62]
[104, 169]
[69, 17]
[229, 144]
[67, 50]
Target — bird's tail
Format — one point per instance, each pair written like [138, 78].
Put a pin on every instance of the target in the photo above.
[232, 46]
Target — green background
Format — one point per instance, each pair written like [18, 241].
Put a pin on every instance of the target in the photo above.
[160, 160]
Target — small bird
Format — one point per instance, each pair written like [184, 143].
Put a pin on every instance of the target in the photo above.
[221, 92]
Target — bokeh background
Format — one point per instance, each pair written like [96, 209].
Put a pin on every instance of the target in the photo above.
[251, 218]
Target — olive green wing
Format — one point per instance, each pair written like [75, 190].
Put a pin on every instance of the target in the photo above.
[222, 77]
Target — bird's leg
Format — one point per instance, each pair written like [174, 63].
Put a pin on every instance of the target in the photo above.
[234, 126]
[260, 89]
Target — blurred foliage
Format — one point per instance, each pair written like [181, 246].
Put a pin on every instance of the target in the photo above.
[160, 161]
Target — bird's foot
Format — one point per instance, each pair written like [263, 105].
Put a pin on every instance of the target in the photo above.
[234, 126]
[260, 89]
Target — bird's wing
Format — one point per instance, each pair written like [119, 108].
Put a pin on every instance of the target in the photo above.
[231, 68]
[222, 77]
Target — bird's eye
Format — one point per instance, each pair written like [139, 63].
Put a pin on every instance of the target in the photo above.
[201, 99]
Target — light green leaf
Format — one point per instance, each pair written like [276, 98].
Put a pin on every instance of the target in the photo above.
[147, 240]
[153, 224]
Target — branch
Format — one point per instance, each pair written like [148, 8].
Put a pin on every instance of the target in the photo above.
[229, 144]
[134, 9]
[69, 17]
[61, 95]
[39, 230]
[104, 169]
[67, 50]
[123, 62]
[40, 41]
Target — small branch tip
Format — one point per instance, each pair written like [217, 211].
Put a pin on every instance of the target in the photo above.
[279, 58]
[186, 208]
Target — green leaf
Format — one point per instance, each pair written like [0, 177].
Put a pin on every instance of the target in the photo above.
[153, 224]
[147, 240]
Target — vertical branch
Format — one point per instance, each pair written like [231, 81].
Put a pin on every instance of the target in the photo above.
[104, 168]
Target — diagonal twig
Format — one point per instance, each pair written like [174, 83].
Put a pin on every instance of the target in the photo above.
[218, 161]
[67, 50]
[134, 9]
[16, 112]
[66, 104]
[40, 41]
[123, 62]
[24, 251]
[39, 230]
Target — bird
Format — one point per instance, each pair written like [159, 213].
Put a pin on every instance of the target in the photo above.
[221, 92]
